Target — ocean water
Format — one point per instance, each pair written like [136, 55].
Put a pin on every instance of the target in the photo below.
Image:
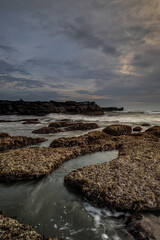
[50, 206]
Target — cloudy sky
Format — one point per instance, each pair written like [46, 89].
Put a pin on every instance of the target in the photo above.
[106, 51]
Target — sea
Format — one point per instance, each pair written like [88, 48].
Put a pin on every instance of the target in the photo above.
[47, 204]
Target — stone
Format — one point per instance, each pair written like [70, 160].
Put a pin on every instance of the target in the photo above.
[117, 130]
[154, 131]
[137, 129]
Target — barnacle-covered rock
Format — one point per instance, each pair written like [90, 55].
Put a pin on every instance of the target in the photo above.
[130, 182]
[8, 142]
[117, 130]
[11, 229]
[154, 131]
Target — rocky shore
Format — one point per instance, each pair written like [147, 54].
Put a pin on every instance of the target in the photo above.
[8, 142]
[43, 108]
[11, 229]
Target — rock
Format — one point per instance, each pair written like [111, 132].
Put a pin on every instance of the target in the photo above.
[43, 108]
[111, 109]
[3, 134]
[154, 130]
[11, 229]
[145, 125]
[46, 130]
[81, 126]
[31, 121]
[128, 183]
[60, 124]
[144, 226]
[117, 130]
[65, 126]
[137, 129]
[9, 142]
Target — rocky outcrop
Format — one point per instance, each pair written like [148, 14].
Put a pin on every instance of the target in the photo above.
[144, 226]
[8, 142]
[137, 129]
[130, 182]
[11, 229]
[117, 130]
[43, 108]
[111, 109]
[65, 126]
[154, 131]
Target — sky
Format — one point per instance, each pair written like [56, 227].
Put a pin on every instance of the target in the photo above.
[107, 51]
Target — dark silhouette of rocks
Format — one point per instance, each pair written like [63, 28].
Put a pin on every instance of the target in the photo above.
[111, 109]
[117, 130]
[11, 229]
[43, 108]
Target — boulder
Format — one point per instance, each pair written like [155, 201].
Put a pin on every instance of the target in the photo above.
[117, 130]
[137, 129]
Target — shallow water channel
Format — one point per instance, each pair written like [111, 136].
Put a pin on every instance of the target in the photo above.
[53, 209]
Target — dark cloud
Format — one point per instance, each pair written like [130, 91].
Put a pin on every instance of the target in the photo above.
[6, 68]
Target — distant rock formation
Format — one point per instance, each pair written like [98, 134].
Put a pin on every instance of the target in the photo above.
[43, 108]
[111, 109]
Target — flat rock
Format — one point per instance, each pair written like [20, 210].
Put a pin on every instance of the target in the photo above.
[129, 183]
[8, 142]
[11, 229]
[117, 130]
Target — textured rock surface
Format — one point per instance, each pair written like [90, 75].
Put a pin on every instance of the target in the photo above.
[43, 108]
[65, 126]
[130, 182]
[11, 229]
[144, 226]
[117, 130]
[9, 142]
[154, 130]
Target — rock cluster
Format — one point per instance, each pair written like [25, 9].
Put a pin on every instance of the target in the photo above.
[7, 142]
[65, 126]
[43, 108]
[11, 229]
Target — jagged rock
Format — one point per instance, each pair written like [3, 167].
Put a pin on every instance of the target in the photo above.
[11, 229]
[137, 129]
[144, 226]
[9, 142]
[3, 134]
[43, 108]
[117, 130]
[130, 182]
[154, 130]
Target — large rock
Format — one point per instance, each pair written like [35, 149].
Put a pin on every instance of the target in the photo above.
[8, 142]
[117, 130]
[43, 108]
[154, 130]
[11, 229]
[130, 182]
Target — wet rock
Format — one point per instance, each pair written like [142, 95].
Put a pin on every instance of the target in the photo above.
[43, 108]
[144, 226]
[3, 134]
[8, 142]
[154, 130]
[11, 229]
[117, 130]
[129, 183]
[137, 129]
[46, 130]
[65, 126]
